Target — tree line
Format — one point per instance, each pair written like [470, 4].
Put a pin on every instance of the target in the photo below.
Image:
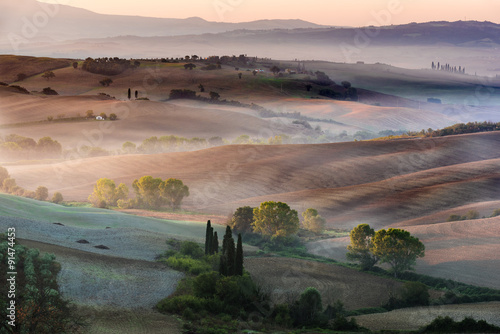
[15, 146]
[448, 68]
[150, 193]
[8, 185]
[108, 66]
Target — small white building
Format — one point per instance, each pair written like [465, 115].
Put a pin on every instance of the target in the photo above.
[99, 118]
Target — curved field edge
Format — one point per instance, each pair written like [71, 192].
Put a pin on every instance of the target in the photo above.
[410, 319]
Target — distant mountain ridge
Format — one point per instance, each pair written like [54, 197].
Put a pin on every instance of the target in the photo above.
[70, 23]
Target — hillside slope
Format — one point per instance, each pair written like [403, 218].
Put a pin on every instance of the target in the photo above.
[375, 182]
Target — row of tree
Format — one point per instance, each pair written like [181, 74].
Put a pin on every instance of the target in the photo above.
[274, 219]
[448, 68]
[150, 193]
[396, 247]
[108, 66]
[15, 146]
[458, 129]
[8, 185]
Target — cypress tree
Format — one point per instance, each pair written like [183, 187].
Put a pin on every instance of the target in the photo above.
[215, 243]
[129, 94]
[136, 94]
[208, 238]
[230, 257]
[238, 267]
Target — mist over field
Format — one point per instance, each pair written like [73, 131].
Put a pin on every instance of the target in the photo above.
[201, 175]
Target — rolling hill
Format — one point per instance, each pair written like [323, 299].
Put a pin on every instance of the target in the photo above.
[375, 182]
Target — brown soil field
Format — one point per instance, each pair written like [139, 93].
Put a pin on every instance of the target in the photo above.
[414, 318]
[380, 183]
[108, 320]
[285, 279]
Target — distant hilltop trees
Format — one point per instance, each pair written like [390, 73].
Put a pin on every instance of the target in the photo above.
[448, 68]
[108, 66]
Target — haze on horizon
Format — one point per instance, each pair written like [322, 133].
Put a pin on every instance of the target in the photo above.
[334, 12]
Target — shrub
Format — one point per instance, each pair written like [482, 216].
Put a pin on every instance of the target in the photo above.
[472, 214]
[113, 117]
[20, 89]
[495, 213]
[57, 198]
[191, 249]
[179, 304]
[415, 294]
[49, 91]
[50, 118]
[467, 325]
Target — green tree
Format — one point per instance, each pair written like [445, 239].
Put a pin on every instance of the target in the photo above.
[227, 259]
[360, 248]
[129, 94]
[48, 75]
[189, 66]
[129, 147]
[107, 194]
[242, 220]
[89, 114]
[41, 193]
[147, 191]
[8, 185]
[238, 267]
[57, 198]
[398, 248]
[308, 309]
[275, 219]
[275, 69]
[4, 174]
[174, 191]
[313, 221]
[113, 117]
[75, 65]
[49, 146]
[208, 238]
[215, 243]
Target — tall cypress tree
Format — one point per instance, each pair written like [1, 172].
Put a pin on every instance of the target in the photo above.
[227, 259]
[238, 267]
[129, 94]
[215, 244]
[208, 238]
[230, 257]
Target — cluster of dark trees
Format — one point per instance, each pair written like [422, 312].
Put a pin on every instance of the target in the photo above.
[448, 68]
[15, 146]
[460, 128]
[108, 66]
[231, 258]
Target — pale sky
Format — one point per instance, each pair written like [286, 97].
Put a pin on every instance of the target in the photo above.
[327, 12]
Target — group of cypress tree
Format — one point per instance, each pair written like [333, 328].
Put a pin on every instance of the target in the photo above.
[211, 240]
[231, 258]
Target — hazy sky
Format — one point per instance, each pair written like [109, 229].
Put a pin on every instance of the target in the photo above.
[328, 12]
